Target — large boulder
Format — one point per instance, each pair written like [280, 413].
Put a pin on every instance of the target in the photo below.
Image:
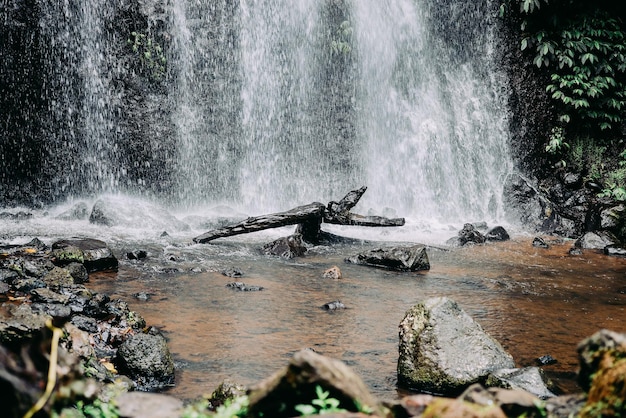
[147, 360]
[278, 395]
[443, 350]
[413, 258]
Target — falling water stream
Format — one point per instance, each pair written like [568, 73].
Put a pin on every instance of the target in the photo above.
[276, 103]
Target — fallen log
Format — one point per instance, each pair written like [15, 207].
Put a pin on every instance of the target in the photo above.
[309, 219]
[300, 214]
[338, 213]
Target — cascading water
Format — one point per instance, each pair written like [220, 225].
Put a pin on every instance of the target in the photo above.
[82, 100]
[431, 112]
[270, 104]
[335, 95]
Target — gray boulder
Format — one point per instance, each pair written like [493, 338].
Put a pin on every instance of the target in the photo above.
[443, 350]
[278, 395]
[146, 359]
[597, 240]
[94, 254]
[413, 258]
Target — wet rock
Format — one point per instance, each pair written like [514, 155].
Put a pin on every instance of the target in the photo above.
[85, 323]
[78, 272]
[514, 403]
[8, 276]
[332, 273]
[153, 405]
[141, 296]
[244, 287]
[540, 243]
[447, 407]
[497, 233]
[58, 278]
[470, 235]
[296, 384]
[20, 324]
[79, 211]
[224, 392]
[232, 272]
[546, 360]
[286, 247]
[333, 306]
[615, 250]
[412, 258]
[597, 240]
[93, 253]
[37, 244]
[529, 379]
[55, 310]
[524, 203]
[147, 360]
[27, 285]
[565, 406]
[575, 251]
[572, 180]
[136, 255]
[613, 218]
[443, 350]
[46, 295]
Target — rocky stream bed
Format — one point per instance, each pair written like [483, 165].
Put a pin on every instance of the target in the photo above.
[110, 359]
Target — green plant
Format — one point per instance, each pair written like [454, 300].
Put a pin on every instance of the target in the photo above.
[232, 408]
[152, 60]
[320, 406]
[585, 51]
[342, 43]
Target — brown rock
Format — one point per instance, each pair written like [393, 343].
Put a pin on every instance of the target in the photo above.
[278, 395]
[332, 273]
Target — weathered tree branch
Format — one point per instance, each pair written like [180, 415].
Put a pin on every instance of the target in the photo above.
[300, 214]
[308, 217]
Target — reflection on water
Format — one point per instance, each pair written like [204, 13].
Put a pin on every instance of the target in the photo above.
[534, 301]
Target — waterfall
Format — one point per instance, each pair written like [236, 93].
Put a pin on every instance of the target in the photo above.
[335, 95]
[432, 108]
[268, 104]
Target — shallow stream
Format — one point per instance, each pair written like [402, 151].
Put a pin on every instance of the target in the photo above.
[534, 301]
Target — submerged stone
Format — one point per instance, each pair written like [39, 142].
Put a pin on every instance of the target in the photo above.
[413, 258]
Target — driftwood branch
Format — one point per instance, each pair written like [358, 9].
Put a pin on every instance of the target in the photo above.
[300, 214]
[308, 218]
[339, 213]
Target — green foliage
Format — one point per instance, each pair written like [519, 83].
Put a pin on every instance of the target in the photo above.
[342, 43]
[557, 141]
[584, 48]
[320, 406]
[232, 408]
[97, 409]
[150, 54]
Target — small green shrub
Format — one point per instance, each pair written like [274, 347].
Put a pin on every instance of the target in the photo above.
[150, 54]
[320, 406]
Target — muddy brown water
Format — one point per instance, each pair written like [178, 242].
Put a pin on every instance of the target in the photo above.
[533, 301]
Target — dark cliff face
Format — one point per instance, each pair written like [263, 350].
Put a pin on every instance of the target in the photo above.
[531, 112]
